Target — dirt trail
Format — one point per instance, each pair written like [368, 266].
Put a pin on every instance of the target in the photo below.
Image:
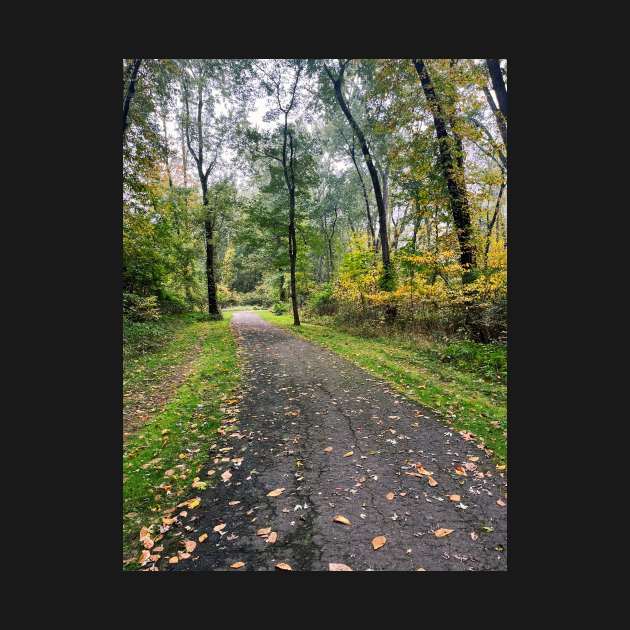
[300, 399]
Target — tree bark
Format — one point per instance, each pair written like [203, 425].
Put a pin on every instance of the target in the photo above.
[131, 90]
[371, 234]
[452, 167]
[494, 69]
[378, 194]
[501, 124]
[492, 222]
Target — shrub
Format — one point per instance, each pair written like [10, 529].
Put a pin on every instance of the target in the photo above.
[323, 302]
[279, 308]
[141, 309]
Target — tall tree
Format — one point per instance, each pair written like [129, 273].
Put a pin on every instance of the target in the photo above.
[452, 167]
[131, 90]
[498, 84]
[337, 82]
[196, 77]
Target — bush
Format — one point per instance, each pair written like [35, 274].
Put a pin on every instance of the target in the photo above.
[141, 309]
[323, 302]
[489, 360]
[279, 308]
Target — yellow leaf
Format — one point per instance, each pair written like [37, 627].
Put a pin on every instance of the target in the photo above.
[193, 503]
[473, 458]
[173, 560]
[500, 466]
[440, 533]
[203, 537]
[275, 493]
[378, 542]
[336, 566]
[348, 454]
[341, 519]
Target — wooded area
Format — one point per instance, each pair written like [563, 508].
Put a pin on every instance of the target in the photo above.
[372, 191]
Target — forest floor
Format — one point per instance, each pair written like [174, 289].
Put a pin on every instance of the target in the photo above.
[320, 462]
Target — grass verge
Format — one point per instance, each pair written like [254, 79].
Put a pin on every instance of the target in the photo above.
[462, 391]
[176, 439]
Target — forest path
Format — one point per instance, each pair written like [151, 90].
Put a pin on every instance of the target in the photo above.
[300, 399]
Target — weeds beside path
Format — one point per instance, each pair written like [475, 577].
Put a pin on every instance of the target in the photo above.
[161, 461]
[463, 393]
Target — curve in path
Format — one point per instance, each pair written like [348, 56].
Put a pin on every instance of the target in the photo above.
[339, 441]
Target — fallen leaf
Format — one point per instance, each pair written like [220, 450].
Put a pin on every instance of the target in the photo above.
[275, 493]
[348, 454]
[440, 533]
[199, 485]
[193, 503]
[218, 528]
[432, 482]
[378, 542]
[169, 472]
[144, 557]
[233, 502]
[203, 537]
[474, 536]
[226, 476]
[420, 569]
[328, 449]
[500, 466]
[336, 566]
[173, 560]
[473, 458]
[341, 519]
[460, 471]
[390, 496]
[283, 566]
[272, 537]
[211, 472]
[264, 531]
[455, 497]
[237, 565]
[501, 502]
[190, 545]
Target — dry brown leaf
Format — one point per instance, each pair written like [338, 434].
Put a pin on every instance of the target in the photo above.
[283, 566]
[218, 528]
[226, 476]
[460, 471]
[190, 545]
[173, 560]
[390, 496]
[432, 482]
[337, 566]
[455, 497]
[275, 493]
[341, 519]
[211, 472]
[474, 536]
[440, 533]
[237, 565]
[473, 458]
[144, 557]
[378, 542]
[264, 531]
[328, 449]
[203, 537]
[348, 454]
[501, 502]
[272, 537]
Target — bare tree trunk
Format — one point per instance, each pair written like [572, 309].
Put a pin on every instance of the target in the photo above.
[371, 235]
[494, 218]
[498, 117]
[452, 167]
[131, 90]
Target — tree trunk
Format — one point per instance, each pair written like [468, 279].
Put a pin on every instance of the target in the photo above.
[388, 280]
[494, 218]
[494, 69]
[213, 303]
[499, 118]
[131, 90]
[371, 235]
[452, 167]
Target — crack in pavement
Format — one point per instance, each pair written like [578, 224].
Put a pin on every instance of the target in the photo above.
[299, 399]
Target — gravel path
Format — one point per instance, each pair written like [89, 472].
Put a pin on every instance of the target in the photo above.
[339, 441]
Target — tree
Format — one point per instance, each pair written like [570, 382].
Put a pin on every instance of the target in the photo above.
[337, 82]
[451, 159]
[131, 90]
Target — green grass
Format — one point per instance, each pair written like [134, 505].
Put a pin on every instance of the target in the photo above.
[190, 420]
[465, 383]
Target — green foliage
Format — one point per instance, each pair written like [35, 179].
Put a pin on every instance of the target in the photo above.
[279, 308]
[141, 309]
[323, 302]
